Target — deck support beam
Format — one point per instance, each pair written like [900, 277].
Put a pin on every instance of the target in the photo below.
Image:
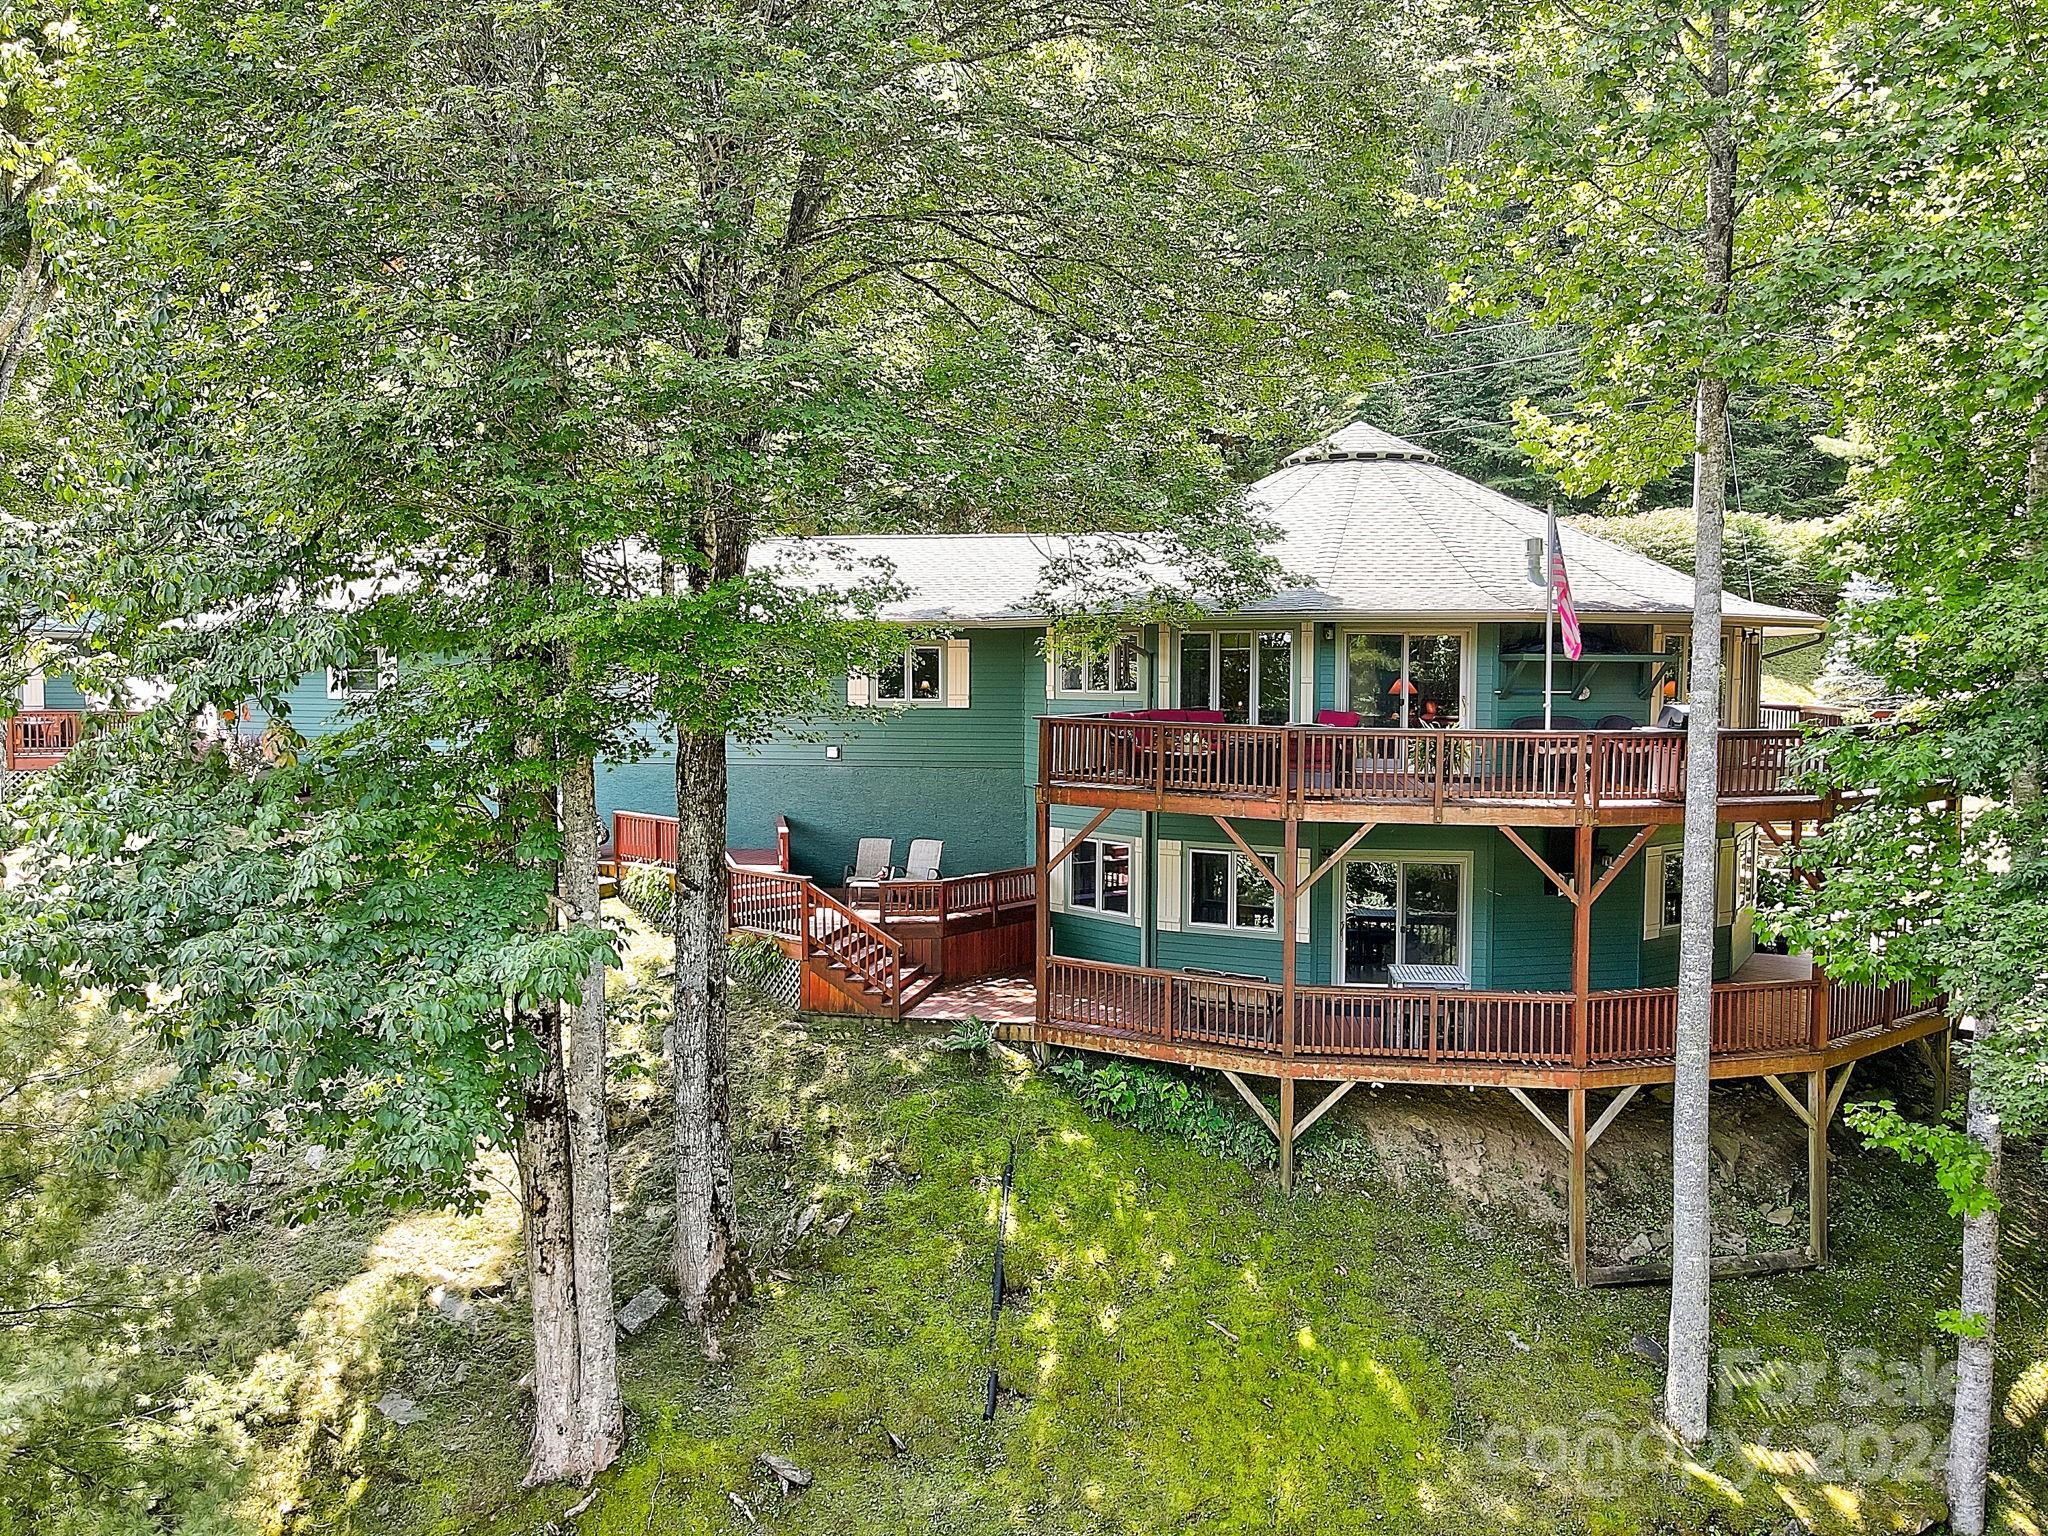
[1257, 1104]
[1576, 1144]
[1286, 1134]
[1323, 1105]
[1818, 1113]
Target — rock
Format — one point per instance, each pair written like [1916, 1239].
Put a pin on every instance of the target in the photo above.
[897, 1446]
[792, 1477]
[806, 1219]
[1644, 1347]
[838, 1223]
[1727, 1147]
[1638, 1248]
[642, 1309]
[400, 1409]
[1783, 1216]
[452, 1305]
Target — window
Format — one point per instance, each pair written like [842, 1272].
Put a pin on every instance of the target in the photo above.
[1401, 911]
[1101, 877]
[912, 678]
[1107, 669]
[1246, 674]
[1226, 890]
[361, 676]
[1406, 680]
[1664, 891]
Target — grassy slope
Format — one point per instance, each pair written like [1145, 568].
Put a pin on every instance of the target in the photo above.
[1370, 1358]
[1374, 1357]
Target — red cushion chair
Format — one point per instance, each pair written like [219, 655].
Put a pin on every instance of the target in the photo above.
[1344, 717]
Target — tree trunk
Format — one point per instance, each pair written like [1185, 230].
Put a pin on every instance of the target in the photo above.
[1686, 1377]
[548, 1208]
[706, 1223]
[1969, 1441]
[600, 1404]
[1969, 1436]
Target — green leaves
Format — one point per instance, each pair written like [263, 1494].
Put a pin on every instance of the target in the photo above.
[1960, 1162]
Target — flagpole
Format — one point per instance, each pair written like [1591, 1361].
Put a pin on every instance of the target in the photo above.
[1549, 611]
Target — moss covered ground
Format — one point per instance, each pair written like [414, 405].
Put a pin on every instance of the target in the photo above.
[1183, 1347]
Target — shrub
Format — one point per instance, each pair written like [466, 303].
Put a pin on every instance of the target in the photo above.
[1149, 1099]
[648, 891]
[753, 962]
[970, 1037]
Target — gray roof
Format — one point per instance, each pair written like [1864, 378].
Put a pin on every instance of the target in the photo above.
[1369, 526]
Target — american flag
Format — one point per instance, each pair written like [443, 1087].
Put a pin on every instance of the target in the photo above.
[1561, 596]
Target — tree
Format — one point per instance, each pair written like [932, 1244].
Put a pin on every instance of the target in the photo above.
[969, 268]
[1939, 345]
[1660, 193]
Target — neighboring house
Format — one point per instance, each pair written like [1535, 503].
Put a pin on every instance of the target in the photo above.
[42, 725]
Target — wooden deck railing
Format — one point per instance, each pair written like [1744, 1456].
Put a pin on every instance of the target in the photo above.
[958, 896]
[38, 738]
[794, 909]
[642, 839]
[1169, 1009]
[1319, 765]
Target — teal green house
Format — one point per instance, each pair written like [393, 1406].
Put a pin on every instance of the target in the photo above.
[1416, 604]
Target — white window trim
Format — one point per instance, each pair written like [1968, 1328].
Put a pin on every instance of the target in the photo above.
[1656, 862]
[1294, 663]
[863, 688]
[338, 690]
[1468, 661]
[1187, 892]
[1055, 660]
[1067, 904]
[1401, 856]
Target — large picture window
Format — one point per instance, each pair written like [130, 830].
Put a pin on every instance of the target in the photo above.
[1100, 878]
[1407, 911]
[1247, 674]
[1226, 890]
[1111, 669]
[1406, 680]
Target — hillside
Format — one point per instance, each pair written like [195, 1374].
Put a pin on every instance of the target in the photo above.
[1182, 1347]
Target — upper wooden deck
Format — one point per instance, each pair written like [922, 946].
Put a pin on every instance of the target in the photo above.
[1325, 773]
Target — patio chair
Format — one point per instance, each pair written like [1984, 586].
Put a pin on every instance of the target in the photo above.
[923, 862]
[870, 866]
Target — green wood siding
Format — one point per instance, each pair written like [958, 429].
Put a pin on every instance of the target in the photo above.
[61, 692]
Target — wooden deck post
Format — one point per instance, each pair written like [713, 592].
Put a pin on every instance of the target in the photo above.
[1941, 1046]
[1817, 1117]
[1577, 1132]
[1582, 942]
[1285, 1135]
[1042, 927]
[1290, 877]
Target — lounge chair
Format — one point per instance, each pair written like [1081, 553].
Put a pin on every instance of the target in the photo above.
[870, 866]
[923, 862]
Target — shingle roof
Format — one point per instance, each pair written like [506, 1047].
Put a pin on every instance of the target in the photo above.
[1369, 526]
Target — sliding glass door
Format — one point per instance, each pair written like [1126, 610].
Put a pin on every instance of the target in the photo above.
[1247, 674]
[1411, 679]
[1401, 912]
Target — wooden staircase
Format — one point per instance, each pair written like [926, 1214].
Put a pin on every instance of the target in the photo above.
[849, 963]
